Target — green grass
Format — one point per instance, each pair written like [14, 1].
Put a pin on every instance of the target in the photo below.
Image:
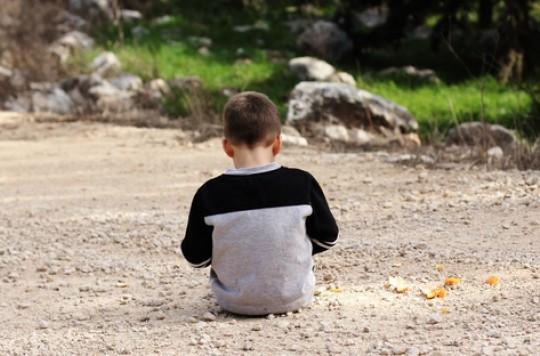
[436, 106]
[439, 106]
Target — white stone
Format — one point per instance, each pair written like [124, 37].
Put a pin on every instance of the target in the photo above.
[337, 133]
[343, 77]
[310, 68]
[5, 72]
[361, 137]
[127, 82]
[106, 64]
[293, 140]
[495, 153]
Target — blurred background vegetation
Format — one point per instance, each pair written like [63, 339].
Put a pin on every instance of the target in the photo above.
[485, 52]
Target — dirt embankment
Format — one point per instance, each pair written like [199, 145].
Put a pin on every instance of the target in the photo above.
[91, 217]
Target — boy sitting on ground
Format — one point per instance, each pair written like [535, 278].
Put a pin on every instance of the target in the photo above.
[258, 224]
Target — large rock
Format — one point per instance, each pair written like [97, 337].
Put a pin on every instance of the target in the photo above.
[326, 40]
[482, 134]
[106, 64]
[330, 102]
[55, 100]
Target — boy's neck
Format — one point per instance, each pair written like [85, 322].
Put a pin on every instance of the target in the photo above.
[245, 157]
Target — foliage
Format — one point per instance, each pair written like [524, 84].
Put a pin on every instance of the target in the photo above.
[257, 60]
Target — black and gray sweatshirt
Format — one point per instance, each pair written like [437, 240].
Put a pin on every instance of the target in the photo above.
[259, 227]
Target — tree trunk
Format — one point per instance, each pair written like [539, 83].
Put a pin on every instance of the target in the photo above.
[485, 14]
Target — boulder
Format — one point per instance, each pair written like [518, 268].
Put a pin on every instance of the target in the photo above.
[326, 40]
[20, 103]
[482, 134]
[310, 68]
[127, 82]
[312, 102]
[55, 100]
[106, 64]
[109, 98]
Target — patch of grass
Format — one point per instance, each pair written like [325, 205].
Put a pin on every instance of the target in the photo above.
[438, 107]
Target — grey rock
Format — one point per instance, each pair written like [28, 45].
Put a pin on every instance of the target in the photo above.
[320, 102]
[106, 64]
[21, 103]
[128, 82]
[55, 100]
[482, 134]
[326, 40]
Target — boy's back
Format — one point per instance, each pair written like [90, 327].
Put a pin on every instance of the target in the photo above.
[258, 227]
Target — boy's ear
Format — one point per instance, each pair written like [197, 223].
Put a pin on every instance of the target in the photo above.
[276, 146]
[228, 148]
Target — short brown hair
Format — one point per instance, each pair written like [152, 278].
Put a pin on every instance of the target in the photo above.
[251, 118]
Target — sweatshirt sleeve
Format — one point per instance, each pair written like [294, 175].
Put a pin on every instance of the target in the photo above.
[321, 226]
[197, 244]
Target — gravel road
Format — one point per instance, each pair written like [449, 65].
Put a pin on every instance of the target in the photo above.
[91, 217]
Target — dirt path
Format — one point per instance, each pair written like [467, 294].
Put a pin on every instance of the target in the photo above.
[91, 217]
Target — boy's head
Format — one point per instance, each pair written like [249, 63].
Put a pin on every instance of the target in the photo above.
[251, 119]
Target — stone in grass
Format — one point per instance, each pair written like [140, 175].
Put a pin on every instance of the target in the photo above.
[106, 64]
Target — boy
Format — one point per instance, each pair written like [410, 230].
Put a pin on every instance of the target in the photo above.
[259, 224]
